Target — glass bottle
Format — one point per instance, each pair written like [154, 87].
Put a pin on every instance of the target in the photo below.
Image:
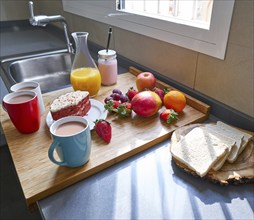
[85, 75]
[107, 64]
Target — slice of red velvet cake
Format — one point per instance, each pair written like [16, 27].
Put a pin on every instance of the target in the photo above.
[70, 104]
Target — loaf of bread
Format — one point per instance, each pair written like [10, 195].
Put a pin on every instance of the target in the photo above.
[235, 133]
[182, 148]
[199, 150]
[231, 143]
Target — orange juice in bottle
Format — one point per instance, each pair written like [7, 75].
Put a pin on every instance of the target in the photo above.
[84, 75]
[86, 79]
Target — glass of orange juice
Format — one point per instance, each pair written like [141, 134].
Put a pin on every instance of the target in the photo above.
[86, 79]
[85, 75]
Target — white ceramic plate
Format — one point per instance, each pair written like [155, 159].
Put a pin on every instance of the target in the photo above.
[97, 111]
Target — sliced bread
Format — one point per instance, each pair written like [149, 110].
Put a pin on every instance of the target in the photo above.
[199, 150]
[242, 139]
[231, 144]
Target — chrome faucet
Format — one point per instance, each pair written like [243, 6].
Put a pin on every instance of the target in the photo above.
[43, 20]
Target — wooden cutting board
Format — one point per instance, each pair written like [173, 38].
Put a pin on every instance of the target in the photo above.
[239, 172]
[39, 177]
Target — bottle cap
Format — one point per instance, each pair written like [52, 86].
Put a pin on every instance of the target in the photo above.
[104, 54]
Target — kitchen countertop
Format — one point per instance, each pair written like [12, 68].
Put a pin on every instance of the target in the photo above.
[149, 186]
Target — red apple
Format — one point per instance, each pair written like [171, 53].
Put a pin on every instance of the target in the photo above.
[146, 103]
[145, 80]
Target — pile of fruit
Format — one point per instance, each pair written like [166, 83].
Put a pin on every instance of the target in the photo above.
[146, 101]
[118, 103]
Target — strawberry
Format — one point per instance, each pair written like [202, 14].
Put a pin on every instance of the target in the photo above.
[123, 110]
[103, 129]
[128, 105]
[112, 105]
[116, 104]
[169, 115]
[131, 93]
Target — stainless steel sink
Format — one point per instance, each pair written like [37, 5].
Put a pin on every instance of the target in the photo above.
[51, 70]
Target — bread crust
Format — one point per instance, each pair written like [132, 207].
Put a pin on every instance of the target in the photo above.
[237, 173]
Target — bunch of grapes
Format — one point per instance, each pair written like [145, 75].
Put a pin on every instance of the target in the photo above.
[116, 95]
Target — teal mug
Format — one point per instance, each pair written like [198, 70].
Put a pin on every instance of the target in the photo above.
[71, 140]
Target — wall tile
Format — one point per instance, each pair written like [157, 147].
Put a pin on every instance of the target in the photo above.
[241, 31]
[13, 10]
[230, 81]
[98, 32]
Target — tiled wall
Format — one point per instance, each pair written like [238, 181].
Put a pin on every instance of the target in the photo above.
[230, 81]
[15, 10]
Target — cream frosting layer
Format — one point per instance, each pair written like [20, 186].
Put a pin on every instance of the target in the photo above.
[68, 99]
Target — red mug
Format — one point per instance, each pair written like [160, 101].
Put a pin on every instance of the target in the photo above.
[23, 110]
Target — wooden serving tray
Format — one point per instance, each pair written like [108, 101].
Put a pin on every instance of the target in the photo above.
[239, 172]
[39, 177]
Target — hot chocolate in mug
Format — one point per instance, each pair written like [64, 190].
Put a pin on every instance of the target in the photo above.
[33, 86]
[23, 110]
[71, 140]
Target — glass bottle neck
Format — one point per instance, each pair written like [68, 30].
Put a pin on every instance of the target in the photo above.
[82, 55]
[80, 39]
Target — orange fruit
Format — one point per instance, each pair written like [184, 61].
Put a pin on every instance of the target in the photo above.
[175, 100]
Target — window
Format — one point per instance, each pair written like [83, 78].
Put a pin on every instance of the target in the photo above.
[195, 13]
[208, 39]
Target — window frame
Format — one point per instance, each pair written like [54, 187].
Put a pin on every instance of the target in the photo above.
[212, 42]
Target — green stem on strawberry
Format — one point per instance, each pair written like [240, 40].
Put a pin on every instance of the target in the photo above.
[109, 106]
[172, 117]
[166, 90]
[121, 109]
